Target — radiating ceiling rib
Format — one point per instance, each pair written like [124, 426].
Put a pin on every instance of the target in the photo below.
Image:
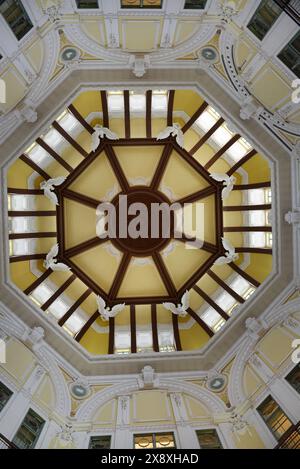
[211, 302]
[105, 109]
[119, 277]
[244, 274]
[58, 292]
[54, 155]
[161, 167]
[170, 107]
[222, 150]
[86, 326]
[154, 328]
[117, 168]
[206, 136]
[164, 274]
[80, 119]
[176, 332]
[197, 195]
[194, 117]
[74, 307]
[133, 328]
[69, 139]
[200, 321]
[35, 167]
[80, 198]
[241, 162]
[149, 113]
[84, 246]
[127, 114]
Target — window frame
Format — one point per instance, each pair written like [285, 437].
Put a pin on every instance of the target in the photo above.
[281, 63]
[142, 7]
[265, 396]
[30, 18]
[219, 435]
[2, 383]
[154, 432]
[41, 434]
[99, 435]
[248, 21]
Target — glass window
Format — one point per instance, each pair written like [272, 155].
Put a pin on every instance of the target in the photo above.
[5, 395]
[208, 439]
[194, 4]
[154, 440]
[274, 417]
[290, 55]
[100, 442]
[264, 18]
[87, 3]
[16, 17]
[293, 378]
[141, 3]
[30, 430]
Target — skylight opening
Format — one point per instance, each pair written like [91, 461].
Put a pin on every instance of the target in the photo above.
[225, 301]
[138, 102]
[53, 138]
[207, 119]
[256, 196]
[213, 319]
[22, 247]
[41, 294]
[249, 292]
[58, 308]
[144, 341]
[39, 156]
[240, 285]
[69, 123]
[115, 101]
[222, 135]
[22, 225]
[22, 202]
[166, 341]
[74, 324]
[122, 342]
[237, 151]
[159, 102]
[257, 217]
[257, 239]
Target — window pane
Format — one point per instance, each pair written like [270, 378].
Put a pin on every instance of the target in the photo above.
[87, 3]
[290, 55]
[274, 417]
[5, 395]
[264, 18]
[100, 442]
[154, 440]
[208, 439]
[16, 17]
[194, 4]
[143, 441]
[165, 440]
[293, 378]
[141, 3]
[28, 433]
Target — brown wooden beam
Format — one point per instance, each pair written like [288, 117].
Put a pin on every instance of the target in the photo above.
[255, 185]
[80, 198]
[211, 302]
[133, 328]
[31, 213]
[27, 257]
[119, 277]
[200, 321]
[222, 150]
[240, 208]
[117, 168]
[141, 141]
[80, 119]
[195, 164]
[111, 339]
[197, 195]
[164, 274]
[170, 107]
[86, 327]
[13, 190]
[226, 287]
[154, 328]
[84, 246]
[243, 274]
[161, 167]
[58, 292]
[176, 332]
[69, 139]
[38, 282]
[105, 109]
[206, 136]
[149, 113]
[198, 274]
[74, 307]
[86, 279]
[35, 167]
[139, 300]
[241, 162]
[219, 217]
[194, 117]
[54, 155]
[45, 234]
[237, 229]
[253, 250]
[127, 113]
[60, 223]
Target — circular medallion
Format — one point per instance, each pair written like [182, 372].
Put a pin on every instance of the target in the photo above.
[209, 54]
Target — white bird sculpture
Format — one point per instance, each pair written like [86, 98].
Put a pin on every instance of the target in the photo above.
[106, 313]
[101, 132]
[228, 183]
[48, 188]
[175, 131]
[51, 263]
[180, 309]
[230, 255]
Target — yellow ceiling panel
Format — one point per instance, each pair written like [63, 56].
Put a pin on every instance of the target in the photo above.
[80, 223]
[139, 162]
[142, 280]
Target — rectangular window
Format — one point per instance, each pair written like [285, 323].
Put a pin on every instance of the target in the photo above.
[100, 442]
[290, 55]
[264, 18]
[87, 3]
[274, 417]
[141, 3]
[5, 395]
[154, 440]
[194, 4]
[29, 431]
[208, 439]
[293, 378]
[16, 17]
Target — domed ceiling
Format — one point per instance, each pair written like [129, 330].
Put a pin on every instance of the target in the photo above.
[55, 189]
